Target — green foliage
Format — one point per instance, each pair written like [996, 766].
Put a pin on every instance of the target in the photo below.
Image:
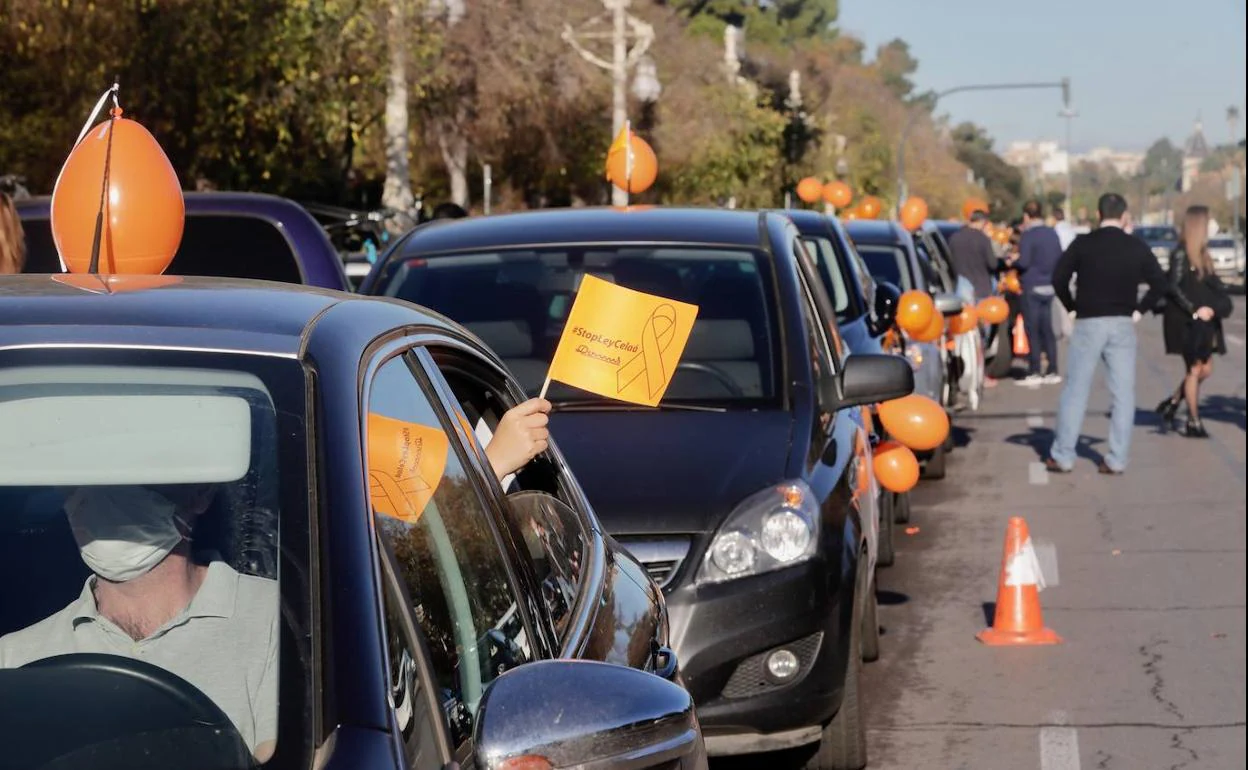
[777, 22]
[1163, 166]
[1003, 182]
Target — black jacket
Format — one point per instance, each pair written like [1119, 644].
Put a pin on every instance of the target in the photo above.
[1200, 292]
[1111, 265]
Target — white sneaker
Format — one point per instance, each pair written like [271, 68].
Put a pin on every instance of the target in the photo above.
[1052, 379]
[1030, 381]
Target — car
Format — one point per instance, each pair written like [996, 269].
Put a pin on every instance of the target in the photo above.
[226, 235]
[416, 614]
[966, 359]
[891, 255]
[1228, 255]
[864, 317]
[1161, 239]
[741, 492]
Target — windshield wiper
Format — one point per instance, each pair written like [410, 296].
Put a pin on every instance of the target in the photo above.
[609, 405]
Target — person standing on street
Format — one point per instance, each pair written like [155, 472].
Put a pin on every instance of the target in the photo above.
[1110, 266]
[1039, 250]
[972, 255]
[1065, 230]
[1191, 269]
[12, 239]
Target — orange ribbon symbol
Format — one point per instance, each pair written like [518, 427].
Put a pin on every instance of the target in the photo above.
[656, 335]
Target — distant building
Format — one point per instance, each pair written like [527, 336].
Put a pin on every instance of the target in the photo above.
[1038, 159]
[1194, 153]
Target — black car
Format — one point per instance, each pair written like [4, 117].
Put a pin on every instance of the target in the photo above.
[864, 316]
[377, 600]
[741, 492]
[1162, 240]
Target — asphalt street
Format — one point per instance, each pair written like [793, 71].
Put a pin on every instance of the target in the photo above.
[1149, 594]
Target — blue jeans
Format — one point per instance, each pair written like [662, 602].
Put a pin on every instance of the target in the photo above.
[1112, 341]
[1038, 320]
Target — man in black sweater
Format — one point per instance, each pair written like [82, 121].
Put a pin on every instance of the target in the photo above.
[972, 254]
[1110, 265]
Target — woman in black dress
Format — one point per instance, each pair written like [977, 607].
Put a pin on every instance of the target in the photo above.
[1198, 337]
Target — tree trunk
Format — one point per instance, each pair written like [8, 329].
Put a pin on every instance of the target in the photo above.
[397, 191]
[454, 146]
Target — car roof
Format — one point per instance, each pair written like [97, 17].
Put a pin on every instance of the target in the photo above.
[273, 206]
[253, 316]
[876, 231]
[721, 227]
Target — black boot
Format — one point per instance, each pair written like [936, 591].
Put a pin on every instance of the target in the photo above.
[1195, 428]
[1166, 410]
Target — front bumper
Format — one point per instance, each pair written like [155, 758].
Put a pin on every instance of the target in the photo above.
[723, 633]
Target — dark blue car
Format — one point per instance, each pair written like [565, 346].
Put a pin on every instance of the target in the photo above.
[226, 235]
[743, 492]
[306, 466]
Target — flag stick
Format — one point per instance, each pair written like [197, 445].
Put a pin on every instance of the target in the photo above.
[545, 387]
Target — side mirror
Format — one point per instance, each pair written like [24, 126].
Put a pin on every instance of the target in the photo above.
[887, 296]
[870, 379]
[949, 304]
[578, 713]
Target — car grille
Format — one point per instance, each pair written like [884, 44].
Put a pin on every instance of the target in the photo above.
[661, 557]
[750, 678]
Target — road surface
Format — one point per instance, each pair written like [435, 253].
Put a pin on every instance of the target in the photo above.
[1150, 594]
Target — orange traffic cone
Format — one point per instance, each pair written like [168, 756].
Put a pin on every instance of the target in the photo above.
[1018, 620]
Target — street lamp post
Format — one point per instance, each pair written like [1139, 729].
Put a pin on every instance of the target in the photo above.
[1232, 120]
[902, 190]
[1069, 113]
[623, 26]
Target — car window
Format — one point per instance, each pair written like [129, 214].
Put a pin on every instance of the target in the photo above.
[518, 301]
[824, 360]
[540, 501]
[220, 245]
[888, 264]
[131, 507]
[823, 254]
[431, 515]
[412, 719]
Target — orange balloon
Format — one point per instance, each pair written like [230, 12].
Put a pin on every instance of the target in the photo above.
[870, 207]
[993, 310]
[913, 213]
[932, 332]
[964, 322]
[851, 215]
[144, 213]
[1011, 283]
[896, 467]
[645, 166]
[915, 310]
[838, 194]
[809, 190]
[916, 421]
[972, 205]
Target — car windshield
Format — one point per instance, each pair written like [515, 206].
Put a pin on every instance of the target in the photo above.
[1157, 233]
[218, 245]
[825, 256]
[518, 301]
[139, 552]
[1222, 243]
[887, 264]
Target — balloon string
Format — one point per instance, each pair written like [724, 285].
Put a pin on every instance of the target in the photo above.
[112, 91]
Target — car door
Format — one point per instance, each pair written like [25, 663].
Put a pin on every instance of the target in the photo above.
[456, 607]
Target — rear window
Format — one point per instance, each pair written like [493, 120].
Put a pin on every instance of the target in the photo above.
[887, 264]
[218, 245]
[1222, 243]
[1157, 233]
[518, 301]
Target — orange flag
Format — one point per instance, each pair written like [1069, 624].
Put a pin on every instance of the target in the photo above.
[621, 343]
[405, 464]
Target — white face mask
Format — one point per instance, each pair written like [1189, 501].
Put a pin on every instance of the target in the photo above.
[122, 532]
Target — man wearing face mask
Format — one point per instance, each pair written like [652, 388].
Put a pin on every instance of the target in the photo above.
[149, 599]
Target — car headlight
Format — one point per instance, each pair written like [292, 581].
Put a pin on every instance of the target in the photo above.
[915, 356]
[1161, 251]
[773, 529]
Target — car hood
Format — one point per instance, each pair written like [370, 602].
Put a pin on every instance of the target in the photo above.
[671, 472]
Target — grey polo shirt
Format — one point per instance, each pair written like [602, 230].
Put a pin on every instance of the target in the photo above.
[224, 643]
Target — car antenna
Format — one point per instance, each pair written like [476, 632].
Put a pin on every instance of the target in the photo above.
[94, 267]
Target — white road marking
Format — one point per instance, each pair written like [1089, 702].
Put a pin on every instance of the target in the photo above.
[1059, 745]
[1234, 340]
[1037, 474]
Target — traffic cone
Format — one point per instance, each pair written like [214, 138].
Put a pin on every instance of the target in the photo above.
[1018, 619]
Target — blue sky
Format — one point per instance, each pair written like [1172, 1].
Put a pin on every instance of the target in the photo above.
[1140, 69]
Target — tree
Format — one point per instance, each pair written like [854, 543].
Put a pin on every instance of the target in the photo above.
[397, 192]
[769, 22]
[1002, 182]
[1163, 166]
[895, 65]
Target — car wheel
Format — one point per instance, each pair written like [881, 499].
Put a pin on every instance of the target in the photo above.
[870, 625]
[901, 508]
[935, 468]
[884, 554]
[843, 743]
